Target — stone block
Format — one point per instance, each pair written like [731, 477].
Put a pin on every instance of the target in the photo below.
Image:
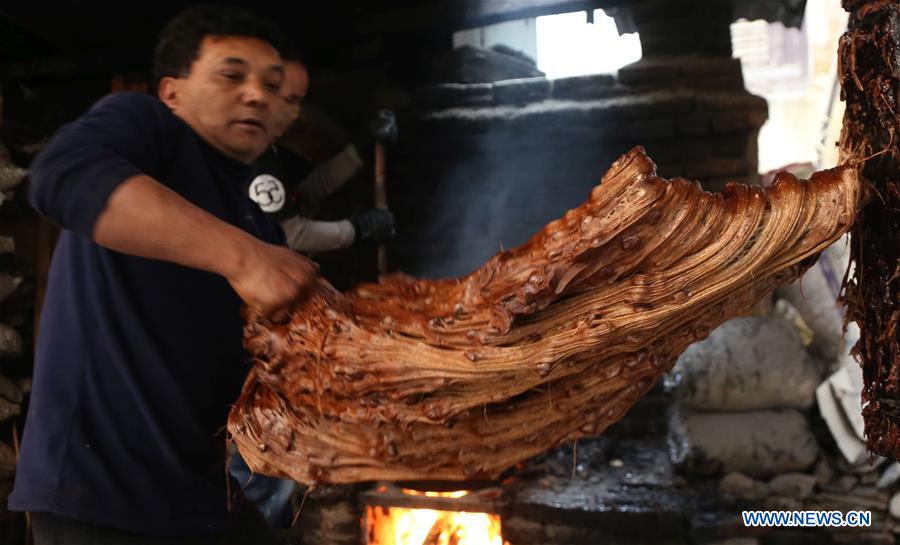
[584, 87]
[652, 129]
[805, 536]
[724, 82]
[7, 245]
[711, 66]
[522, 531]
[520, 91]
[470, 64]
[8, 285]
[756, 443]
[644, 72]
[708, 527]
[793, 485]
[10, 341]
[451, 95]
[731, 144]
[781, 503]
[743, 487]
[730, 121]
[745, 364]
[693, 124]
[815, 298]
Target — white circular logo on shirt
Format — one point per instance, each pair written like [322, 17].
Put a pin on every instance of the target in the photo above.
[268, 192]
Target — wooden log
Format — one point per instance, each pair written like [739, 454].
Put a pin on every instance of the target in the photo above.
[869, 71]
[460, 379]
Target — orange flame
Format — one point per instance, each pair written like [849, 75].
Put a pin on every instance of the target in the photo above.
[404, 526]
[454, 494]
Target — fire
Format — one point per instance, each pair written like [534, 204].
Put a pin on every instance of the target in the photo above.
[404, 526]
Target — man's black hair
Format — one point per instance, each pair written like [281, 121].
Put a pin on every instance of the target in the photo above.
[179, 42]
[292, 52]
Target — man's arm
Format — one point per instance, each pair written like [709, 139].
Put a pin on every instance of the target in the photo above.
[142, 217]
[306, 235]
[329, 176]
[95, 179]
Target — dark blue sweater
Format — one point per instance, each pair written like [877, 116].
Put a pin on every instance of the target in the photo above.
[137, 359]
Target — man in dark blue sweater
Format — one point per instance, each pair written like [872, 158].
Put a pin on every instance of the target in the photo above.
[140, 353]
[289, 188]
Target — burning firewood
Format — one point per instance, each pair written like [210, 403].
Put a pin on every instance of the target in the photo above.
[554, 340]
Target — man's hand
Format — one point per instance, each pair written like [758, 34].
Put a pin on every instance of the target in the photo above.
[273, 280]
[376, 225]
[147, 219]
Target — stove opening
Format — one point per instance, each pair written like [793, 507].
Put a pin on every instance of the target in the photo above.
[429, 518]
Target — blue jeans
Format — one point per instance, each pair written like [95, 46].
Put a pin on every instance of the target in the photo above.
[271, 495]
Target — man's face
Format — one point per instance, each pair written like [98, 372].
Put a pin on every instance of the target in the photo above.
[296, 83]
[230, 97]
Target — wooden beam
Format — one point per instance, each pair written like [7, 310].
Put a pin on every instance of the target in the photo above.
[870, 139]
